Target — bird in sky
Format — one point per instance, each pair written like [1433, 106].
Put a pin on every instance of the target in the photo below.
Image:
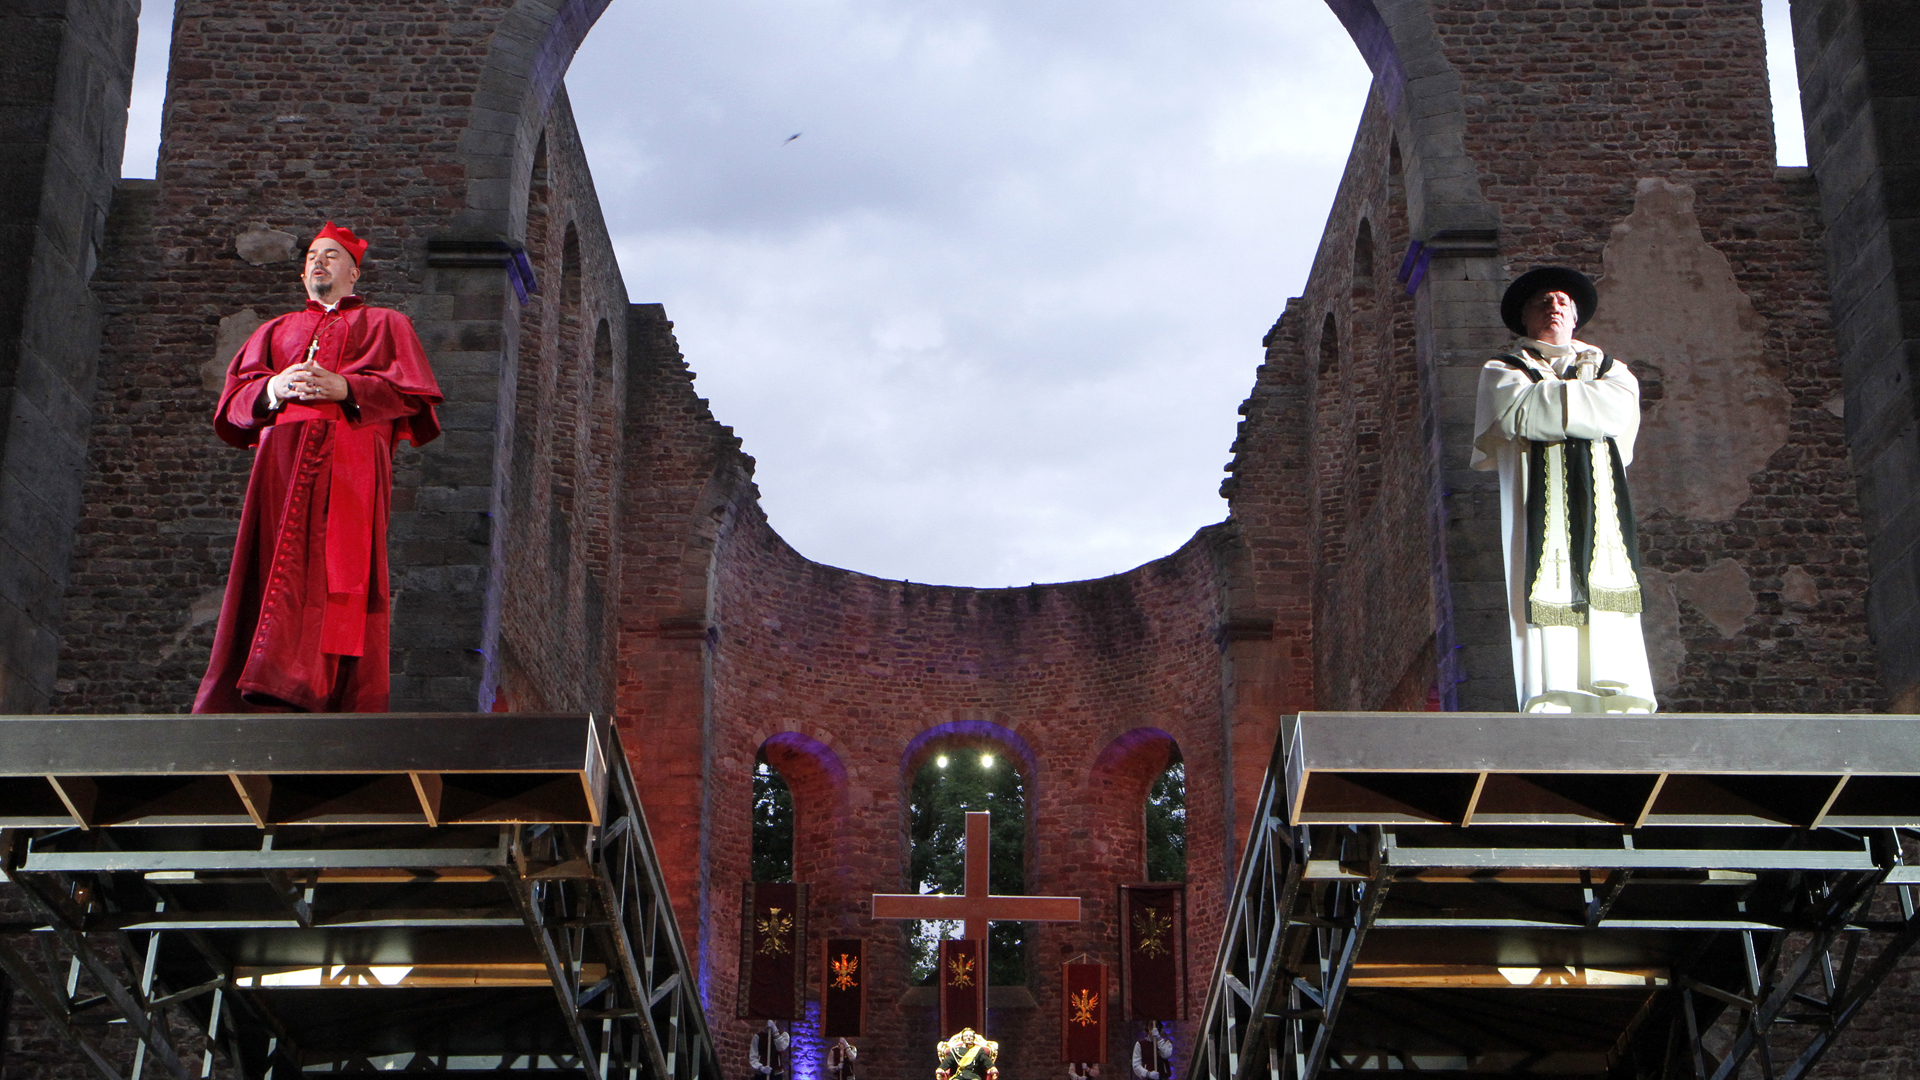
[791, 137]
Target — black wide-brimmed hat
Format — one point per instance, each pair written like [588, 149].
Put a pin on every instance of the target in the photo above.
[1586, 299]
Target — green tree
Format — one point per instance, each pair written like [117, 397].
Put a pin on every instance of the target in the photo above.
[1167, 825]
[772, 824]
[951, 783]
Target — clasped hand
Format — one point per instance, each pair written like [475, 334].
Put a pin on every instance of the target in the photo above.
[308, 381]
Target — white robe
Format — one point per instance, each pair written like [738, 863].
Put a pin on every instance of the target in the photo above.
[1600, 666]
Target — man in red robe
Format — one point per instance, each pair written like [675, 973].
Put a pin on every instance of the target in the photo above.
[324, 394]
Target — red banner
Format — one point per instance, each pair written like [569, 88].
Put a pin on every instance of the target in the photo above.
[1083, 1014]
[1153, 954]
[843, 988]
[963, 986]
[773, 944]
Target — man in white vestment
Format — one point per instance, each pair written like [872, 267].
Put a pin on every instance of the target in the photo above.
[1557, 418]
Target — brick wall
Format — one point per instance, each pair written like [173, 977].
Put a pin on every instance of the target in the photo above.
[1354, 504]
[1055, 677]
[1682, 97]
[411, 126]
[585, 514]
[556, 550]
[1633, 142]
[731, 642]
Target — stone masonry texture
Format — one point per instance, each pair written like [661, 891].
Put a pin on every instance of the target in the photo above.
[587, 534]
[65, 71]
[1860, 84]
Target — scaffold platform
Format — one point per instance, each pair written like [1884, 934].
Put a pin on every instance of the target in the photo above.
[454, 893]
[1631, 897]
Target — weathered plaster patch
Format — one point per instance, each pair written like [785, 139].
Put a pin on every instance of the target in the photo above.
[234, 331]
[1798, 590]
[1722, 592]
[1671, 309]
[204, 609]
[260, 245]
[1660, 624]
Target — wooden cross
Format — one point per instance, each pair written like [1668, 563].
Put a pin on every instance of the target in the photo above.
[976, 905]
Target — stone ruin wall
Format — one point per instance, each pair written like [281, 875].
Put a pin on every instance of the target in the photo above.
[199, 256]
[410, 138]
[558, 556]
[1651, 165]
[1622, 139]
[1632, 141]
[1339, 422]
[1089, 686]
[731, 643]
[1859, 66]
[64, 87]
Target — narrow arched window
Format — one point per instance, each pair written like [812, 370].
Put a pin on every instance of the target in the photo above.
[1166, 814]
[955, 779]
[566, 419]
[1363, 261]
[772, 823]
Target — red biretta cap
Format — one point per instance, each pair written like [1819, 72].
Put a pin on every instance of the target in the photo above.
[355, 246]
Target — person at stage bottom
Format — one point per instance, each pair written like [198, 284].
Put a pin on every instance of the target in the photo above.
[767, 1052]
[1153, 1055]
[323, 394]
[841, 1056]
[967, 1056]
[1557, 417]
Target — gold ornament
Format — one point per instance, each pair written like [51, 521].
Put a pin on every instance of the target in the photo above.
[1083, 1004]
[843, 970]
[1150, 925]
[962, 971]
[774, 928]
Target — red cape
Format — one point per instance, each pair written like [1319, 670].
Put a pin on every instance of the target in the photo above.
[304, 622]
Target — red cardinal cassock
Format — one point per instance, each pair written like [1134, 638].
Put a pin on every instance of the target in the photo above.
[304, 623]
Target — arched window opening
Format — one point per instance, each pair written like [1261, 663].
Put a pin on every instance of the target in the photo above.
[1363, 261]
[529, 401]
[772, 823]
[1166, 814]
[1402, 372]
[600, 444]
[1142, 782]
[602, 354]
[566, 416]
[955, 779]
[570, 271]
[1331, 455]
[1364, 375]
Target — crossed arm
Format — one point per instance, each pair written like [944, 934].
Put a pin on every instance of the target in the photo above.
[1555, 410]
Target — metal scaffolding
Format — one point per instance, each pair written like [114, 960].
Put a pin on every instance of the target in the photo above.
[438, 893]
[1646, 897]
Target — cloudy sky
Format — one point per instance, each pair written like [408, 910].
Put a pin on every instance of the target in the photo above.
[987, 320]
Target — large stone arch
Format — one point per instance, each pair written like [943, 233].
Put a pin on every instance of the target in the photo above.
[1453, 242]
[528, 54]
[1424, 96]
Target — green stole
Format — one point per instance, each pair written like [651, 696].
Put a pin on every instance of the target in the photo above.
[1571, 540]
